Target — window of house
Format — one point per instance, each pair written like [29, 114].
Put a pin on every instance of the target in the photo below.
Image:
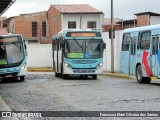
[44, 28]
[34, 29]
[145, 40]
[71, 24]
[91, 24]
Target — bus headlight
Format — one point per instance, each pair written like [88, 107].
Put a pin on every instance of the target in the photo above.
[23, 67]
[67, 65]
[99, 65]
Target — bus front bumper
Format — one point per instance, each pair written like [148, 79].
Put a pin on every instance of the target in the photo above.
[82, 71]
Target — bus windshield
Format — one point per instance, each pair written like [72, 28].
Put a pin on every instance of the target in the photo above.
[85, 49]
[11, 51]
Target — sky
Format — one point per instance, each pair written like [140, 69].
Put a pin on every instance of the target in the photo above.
[123, 9]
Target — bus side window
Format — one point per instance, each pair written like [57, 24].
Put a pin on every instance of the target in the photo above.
[139, 38]
[126, 42]
[145, 40]
[155, 45]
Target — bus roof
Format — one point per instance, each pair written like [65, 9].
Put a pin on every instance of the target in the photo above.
[80, 30]
[144, 28]
[63, 32]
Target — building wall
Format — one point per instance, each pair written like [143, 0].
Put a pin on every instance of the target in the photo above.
[108, 27]
[142, 20]
[11, 26]
[84, 19]
[129, 26]
[54, 22]
[23, 25]
[154, 20]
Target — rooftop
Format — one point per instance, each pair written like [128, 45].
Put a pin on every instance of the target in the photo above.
[77, 8]
[150, 13]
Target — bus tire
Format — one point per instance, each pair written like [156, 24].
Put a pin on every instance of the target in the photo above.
[22, 78]
[94, 77]
[56, 74]
[139, 77]
[64, 76]
[147, 80]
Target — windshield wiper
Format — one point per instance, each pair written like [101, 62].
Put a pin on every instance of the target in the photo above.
[77, 43]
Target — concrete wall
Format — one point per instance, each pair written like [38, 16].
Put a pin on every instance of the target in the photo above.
[107, 51]
[40, 55]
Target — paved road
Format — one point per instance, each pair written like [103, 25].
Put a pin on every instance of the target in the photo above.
[44, 92]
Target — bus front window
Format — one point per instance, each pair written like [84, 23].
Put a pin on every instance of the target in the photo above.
[87, 49]
[14, 53]
[11, 53]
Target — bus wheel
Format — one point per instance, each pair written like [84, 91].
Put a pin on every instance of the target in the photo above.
[22, 78]
[147, 80]
[56, 74]
[64, 76]
[139, 77]
[94, 77]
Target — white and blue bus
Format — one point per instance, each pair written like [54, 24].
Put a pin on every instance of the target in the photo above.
[12, 56]
[140, 53]
[78, 52]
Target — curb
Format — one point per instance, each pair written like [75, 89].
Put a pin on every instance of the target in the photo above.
[40, 70]
[104, 73]
[117, 75]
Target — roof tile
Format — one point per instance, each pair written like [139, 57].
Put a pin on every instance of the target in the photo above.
[76, 8]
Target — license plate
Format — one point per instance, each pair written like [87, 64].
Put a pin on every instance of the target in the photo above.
[8, 76]
[84, 71]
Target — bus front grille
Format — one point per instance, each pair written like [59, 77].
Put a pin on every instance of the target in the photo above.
[84, 61]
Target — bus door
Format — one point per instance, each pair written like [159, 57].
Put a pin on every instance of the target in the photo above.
[124, 59]
[154, 55]
[132, 58]
[158, 57]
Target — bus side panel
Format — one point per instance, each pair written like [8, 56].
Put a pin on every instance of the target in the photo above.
[124, 62]
[146, 63]
[143, 58]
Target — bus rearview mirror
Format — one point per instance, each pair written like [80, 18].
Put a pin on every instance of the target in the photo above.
[104, 45]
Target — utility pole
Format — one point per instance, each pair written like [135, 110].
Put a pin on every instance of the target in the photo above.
[112, 39]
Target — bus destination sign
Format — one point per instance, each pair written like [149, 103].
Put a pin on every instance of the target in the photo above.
[83, 34]
[8, 39]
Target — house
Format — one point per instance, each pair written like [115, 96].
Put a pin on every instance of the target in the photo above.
[142, 19]
[131, 23]
[73, 16]
[147, 18]
[107, 24]
[41, 26]
[32, 26]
